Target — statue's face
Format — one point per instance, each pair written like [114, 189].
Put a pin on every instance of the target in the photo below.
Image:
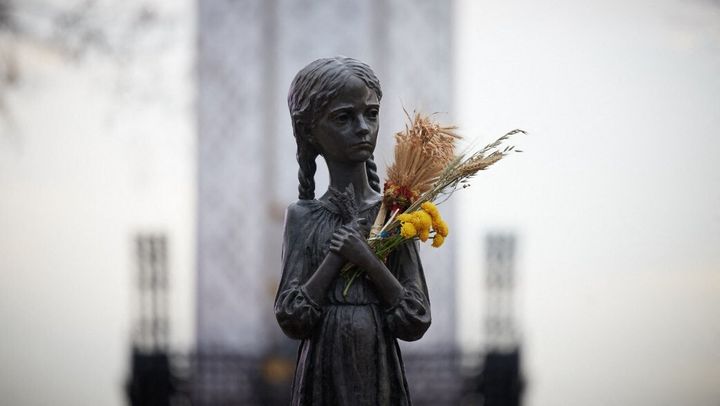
[347, 129]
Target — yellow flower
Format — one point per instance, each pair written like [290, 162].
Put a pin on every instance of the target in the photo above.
[408, 230]
[422, 220]
[417, 223]
[438, 240]
[405, 217]
[424, 234]
[441, 227]
[431, 209]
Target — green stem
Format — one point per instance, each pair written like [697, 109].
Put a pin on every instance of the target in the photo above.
[349, 282]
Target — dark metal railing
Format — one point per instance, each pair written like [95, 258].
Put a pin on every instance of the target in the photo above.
[232, 379]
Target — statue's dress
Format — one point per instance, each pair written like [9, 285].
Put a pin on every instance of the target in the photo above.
[349, 354]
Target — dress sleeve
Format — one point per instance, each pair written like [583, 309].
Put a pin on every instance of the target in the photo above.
[296, 313]
[409, 317]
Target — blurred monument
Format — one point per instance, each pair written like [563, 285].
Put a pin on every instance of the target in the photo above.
[248, 53]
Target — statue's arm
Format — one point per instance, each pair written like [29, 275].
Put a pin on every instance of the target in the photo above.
[349, 243]
[316, 287]
[405, 295]
[298, 304]
[409, 317]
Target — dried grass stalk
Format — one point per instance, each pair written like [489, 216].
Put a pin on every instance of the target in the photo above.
[482, 159]
[461, 168]
[422, 151]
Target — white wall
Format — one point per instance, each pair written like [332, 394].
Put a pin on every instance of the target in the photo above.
[92, 151]
[616, 200]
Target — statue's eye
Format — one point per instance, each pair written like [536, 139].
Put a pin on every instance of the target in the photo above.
[372, 114]
[342, 117]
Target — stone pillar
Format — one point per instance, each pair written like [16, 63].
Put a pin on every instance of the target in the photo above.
[231, 181]
[248, 53]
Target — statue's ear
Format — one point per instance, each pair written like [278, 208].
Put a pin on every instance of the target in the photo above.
[303, 129]
[299, 127]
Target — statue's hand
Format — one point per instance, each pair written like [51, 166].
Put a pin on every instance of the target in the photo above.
[349, 242]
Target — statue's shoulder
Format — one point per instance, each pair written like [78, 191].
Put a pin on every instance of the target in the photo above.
[297, 212]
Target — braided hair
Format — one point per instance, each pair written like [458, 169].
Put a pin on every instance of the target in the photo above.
[310, 93]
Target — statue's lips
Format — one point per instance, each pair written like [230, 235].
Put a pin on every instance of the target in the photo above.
[364, 145]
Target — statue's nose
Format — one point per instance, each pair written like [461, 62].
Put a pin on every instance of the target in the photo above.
[362, 126]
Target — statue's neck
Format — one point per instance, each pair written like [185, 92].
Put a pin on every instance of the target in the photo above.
[344, 174]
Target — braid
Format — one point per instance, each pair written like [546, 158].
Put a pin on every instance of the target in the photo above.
[306, 155]
[372, 175]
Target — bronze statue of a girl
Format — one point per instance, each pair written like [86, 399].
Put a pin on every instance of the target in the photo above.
[349, 353]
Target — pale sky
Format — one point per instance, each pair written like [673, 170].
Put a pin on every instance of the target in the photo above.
[92, 152]
[616, 200]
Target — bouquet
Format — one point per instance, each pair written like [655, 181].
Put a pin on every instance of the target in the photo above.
[425, 173]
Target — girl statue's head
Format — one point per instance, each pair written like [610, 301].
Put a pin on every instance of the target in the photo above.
[312, 90]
